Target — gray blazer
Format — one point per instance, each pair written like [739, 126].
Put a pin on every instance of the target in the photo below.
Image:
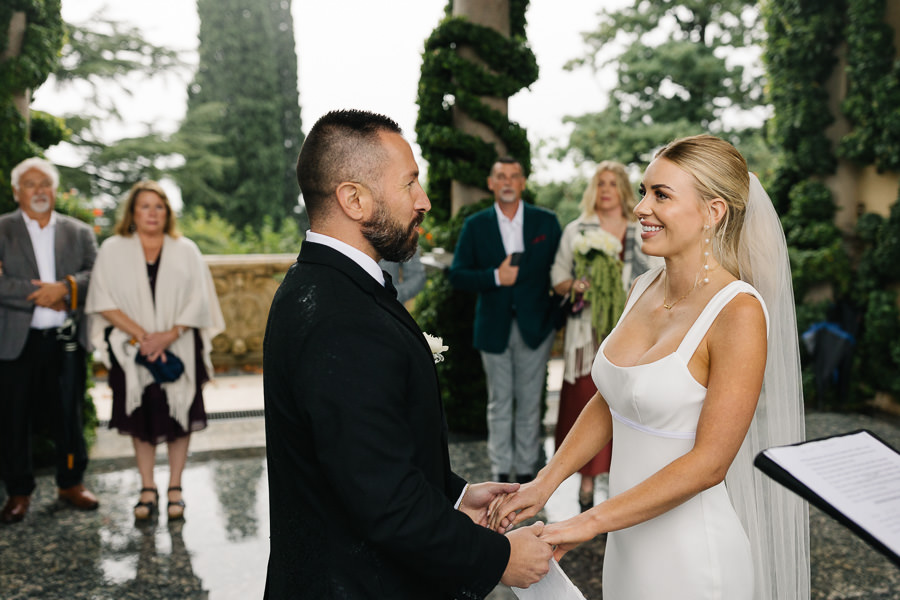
[76, 249]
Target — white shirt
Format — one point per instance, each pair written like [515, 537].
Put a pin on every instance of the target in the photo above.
[43, 241]
[371, 267]
[510, 233]
[358, 256]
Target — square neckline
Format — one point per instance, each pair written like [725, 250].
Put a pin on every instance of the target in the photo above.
[651, 277]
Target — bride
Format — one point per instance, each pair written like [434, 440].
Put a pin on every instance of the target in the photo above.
[700, 374]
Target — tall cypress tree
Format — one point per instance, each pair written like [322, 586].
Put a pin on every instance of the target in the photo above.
[242, 128]
[286, 62]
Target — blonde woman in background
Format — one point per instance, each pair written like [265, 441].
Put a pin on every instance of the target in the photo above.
[607, 204]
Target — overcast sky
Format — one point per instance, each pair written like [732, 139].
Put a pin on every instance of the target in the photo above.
[356, 54]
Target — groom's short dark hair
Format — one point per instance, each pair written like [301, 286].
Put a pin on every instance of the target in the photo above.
[343, 145]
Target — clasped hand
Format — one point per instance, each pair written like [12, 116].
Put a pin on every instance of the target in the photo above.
[509, 509]
[529, 555]
[153, 345]
[49, 294]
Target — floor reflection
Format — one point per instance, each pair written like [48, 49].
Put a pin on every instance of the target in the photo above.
[236, 484]
[220, 551]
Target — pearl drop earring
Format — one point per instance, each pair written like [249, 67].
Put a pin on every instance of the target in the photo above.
[706, 254]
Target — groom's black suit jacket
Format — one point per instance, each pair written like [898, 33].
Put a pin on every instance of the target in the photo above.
[360, 488]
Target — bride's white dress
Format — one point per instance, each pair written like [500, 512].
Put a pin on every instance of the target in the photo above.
[698, 550]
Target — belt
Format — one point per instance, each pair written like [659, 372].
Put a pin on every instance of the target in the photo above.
[51, 332]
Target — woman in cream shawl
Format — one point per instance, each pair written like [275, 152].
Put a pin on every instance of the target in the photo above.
[151, 292]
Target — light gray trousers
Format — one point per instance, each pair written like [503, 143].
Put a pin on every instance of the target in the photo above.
[515, 381]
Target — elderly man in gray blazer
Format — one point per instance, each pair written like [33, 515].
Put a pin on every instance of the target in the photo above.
[45, 262]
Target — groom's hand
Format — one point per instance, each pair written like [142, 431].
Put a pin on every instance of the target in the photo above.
[529, 557]
[479, 498]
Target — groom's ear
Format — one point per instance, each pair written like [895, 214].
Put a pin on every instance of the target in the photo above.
[353, 199]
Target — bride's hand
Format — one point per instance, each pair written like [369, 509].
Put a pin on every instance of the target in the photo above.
[517, 507]
[566, 535]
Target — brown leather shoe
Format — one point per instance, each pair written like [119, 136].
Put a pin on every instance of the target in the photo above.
[79, 497]
[15, 509]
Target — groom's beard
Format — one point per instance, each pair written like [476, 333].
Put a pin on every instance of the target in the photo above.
[390, 239]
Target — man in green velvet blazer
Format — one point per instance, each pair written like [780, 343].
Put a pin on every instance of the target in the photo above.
[504, 254]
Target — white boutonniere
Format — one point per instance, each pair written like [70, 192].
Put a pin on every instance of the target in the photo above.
[437, 346]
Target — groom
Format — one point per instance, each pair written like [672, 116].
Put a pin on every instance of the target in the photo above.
[363, 503]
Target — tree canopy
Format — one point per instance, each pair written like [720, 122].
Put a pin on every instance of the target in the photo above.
[103, 56]
[676, 75]
[242, 132]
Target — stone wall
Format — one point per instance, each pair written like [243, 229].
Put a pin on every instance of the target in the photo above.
[245, 285]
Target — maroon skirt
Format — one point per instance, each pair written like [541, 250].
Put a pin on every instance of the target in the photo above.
[151, 422]
[573, 397]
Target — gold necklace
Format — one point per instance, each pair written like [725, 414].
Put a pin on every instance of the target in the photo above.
[668, 306]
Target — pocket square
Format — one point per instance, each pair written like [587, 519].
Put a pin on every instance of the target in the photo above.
[539, 239]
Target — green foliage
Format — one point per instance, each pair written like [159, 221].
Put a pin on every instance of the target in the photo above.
[814, 242]
[48, 130]
[445, 312]
[679, 86]
[102, 56]
[40, 45]
[879, 345]
[214, 235]
[106, 51]
[873, 88]
[242, 131]
[442, 311]
[563, 198]
[871, 106]
[450, 81]
[37, 58]
[879, 264]
[877, 283]
[800, 55]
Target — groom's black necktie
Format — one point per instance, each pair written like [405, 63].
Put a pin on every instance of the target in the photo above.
[389, 284]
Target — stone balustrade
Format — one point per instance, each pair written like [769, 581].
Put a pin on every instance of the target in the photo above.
[245, 284]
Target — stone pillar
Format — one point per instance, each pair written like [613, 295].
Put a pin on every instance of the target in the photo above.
[17, 23]
[493, 14]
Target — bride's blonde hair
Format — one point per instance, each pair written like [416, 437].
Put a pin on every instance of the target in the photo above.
[720, 172]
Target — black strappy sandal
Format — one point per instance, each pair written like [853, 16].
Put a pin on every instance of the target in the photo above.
[585, 500]
[176, 507]
[144, 511]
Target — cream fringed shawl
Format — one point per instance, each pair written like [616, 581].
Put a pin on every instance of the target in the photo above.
[185, 295]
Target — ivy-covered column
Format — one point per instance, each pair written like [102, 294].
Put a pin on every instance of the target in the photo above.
[457, 82]
[872, 106]
[31, 37]
[21, 98]
[492, 14]
[800, 55]
[469, 69]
